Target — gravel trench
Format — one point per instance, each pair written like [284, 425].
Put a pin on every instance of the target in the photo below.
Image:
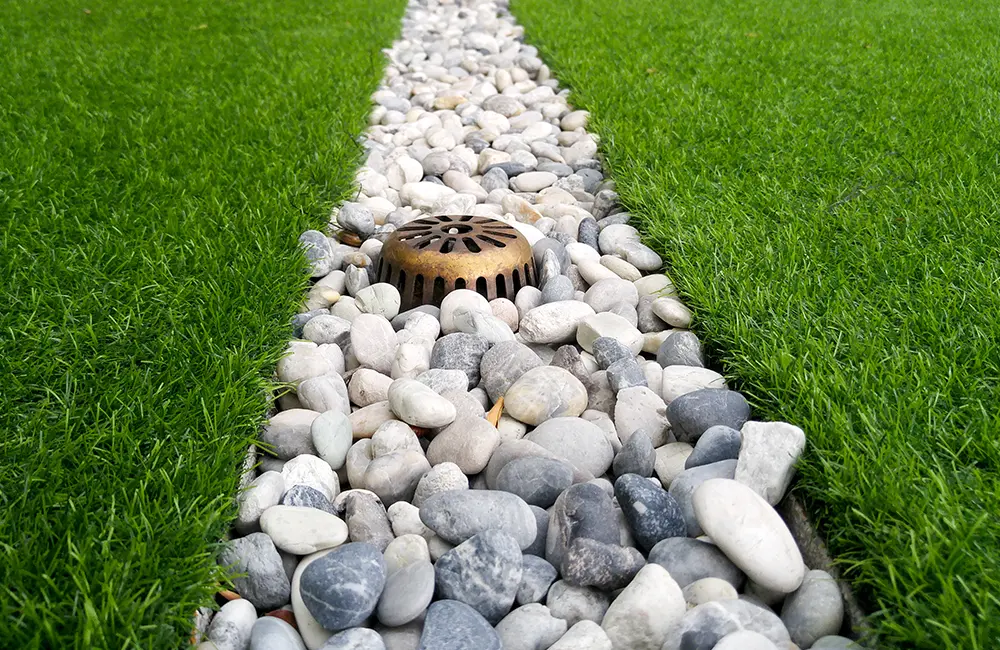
[620, 497]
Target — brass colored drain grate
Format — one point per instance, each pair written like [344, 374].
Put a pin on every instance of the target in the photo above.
[428, 258]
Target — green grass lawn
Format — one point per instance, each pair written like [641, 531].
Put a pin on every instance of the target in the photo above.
[822, 177]
[158, 161]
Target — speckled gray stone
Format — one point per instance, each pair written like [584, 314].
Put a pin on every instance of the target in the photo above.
[652, 514]
[637, 456]
[680, 349]
[453, 625]
[537, 576]
[265, 583]
[483, 572]
[342, 588]
[718, 443]
[689, 560]
[460, 351]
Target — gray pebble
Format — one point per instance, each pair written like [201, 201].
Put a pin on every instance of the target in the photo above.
[460, 351]
[680, 349]
[537, 576]
[483, 572]
[535, 479]
[692, 414]
[356, 218]
[265, 583]
[307, 497]
[718, 443]
[651, 512]
[684, 485]
[689, 560]
[342, 588]
[356, 638]
[637, 456]
[625, 373]
[558, 288]
[453, 625]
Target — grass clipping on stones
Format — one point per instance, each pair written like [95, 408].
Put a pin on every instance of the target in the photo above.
[157, 164]
[822, 177]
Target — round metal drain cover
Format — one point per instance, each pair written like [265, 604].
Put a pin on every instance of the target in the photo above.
[428, 258]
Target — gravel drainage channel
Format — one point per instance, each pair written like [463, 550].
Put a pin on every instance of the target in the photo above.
[553, 467]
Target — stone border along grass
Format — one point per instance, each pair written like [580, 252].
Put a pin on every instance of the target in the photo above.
[491, 448]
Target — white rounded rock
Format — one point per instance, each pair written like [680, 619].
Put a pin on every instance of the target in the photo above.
[415, 403]
[368, 386]
[585, 635]
[461, 298]
[332, 436]
[404, 550]
[301, 530]
[545, 392]
[611, 325]
[555, 322]
[672, 312]
[681, 380]
[373, 342]
[262, 493]
[230, 629]
[313, 472]
[643, 613]
[750, 532]
[381, 298]
[442, 477]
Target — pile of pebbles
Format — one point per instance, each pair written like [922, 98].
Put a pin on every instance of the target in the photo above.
[560, 471]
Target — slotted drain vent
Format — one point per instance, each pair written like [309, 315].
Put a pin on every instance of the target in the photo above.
[428, 258]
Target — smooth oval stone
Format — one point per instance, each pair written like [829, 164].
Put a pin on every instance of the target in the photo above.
[535, 479]
[453, 625]
[483, 572]
[374, 342]
[529, 628]
[367, 520]
[652, 514]
[681, 380]
[543, 393]
[640, 617]
[607, 351]
[332, 436]
[418, 405]
[460, 298]
[692, 414]
[381, 298]
[468, 443]
[458, 515]
[262, 493]
[288, 433]
[258, 573]
[342, 588]
[408, 592]
[301, 531]
[272, 633]
[689, 560]
[835, 642]
[814, 610]
[718, 443]
[580, 442]
[555, 322]
[750, 532]
[307, 497]
[442, 477]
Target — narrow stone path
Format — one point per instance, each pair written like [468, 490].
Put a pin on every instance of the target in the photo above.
[555, 471]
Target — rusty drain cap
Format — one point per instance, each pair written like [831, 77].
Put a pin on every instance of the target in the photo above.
[428, 258]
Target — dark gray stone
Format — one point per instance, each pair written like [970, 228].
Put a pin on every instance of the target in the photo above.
[535, 479]
[692, 414]
[483, 572]
[568, 357]
[625, 373]
[561, 170]
[495, 179]
[356, 218]
[646, 320]
[537, 547]
[590, 563]
[608, 350]
[586, 163]
[510, 168]
[432, 179]
[588, 232]
[457, 515]
[652, 514]
[680, 349]
[604, 201]
[583, 510]
[557, 289]
[557, 247]
[342, 588]
[265, 583]
[683, 487]
[537, 576]
[307, 497]
[637, 456]
[591, 178]
[356, 638]
[453, 625]
[477, 145]
[718, 443]
[503, 364]
[367, 520]
[689, 560]
[460, 351]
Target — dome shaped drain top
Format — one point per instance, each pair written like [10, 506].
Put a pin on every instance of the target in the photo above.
[428, 258]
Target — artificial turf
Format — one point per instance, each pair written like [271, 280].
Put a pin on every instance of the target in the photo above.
[821, 176]
[158, 161]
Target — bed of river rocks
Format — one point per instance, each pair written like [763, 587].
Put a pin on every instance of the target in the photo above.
[560, 471]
